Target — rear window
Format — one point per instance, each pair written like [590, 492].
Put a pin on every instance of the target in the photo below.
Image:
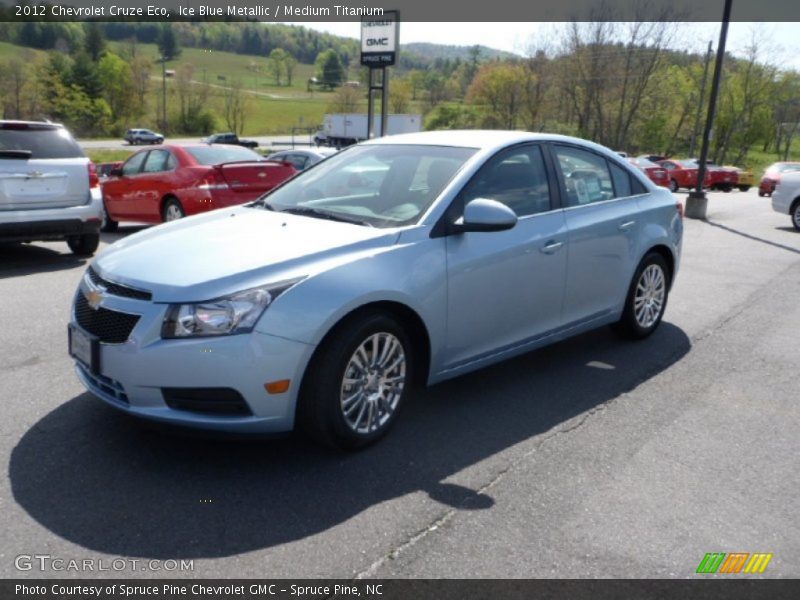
[214, 155]
[42, 141]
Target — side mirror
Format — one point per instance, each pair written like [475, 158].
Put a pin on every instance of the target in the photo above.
[483, 214]
[116, 172]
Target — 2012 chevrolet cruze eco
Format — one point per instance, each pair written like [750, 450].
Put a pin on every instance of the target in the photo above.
[412, 258]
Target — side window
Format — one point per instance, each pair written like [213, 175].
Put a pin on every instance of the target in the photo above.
[133, 164]
[172, 162]
[622, 180]
[516, 177]
[586, 176]
[668, 165]
[156, 161]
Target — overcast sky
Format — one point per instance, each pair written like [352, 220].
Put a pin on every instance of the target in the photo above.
[780, 40]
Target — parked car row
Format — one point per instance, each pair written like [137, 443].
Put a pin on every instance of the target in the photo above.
[682, 173]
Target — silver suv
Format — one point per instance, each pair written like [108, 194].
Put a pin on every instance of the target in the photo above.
[48, 188]
[143, 136]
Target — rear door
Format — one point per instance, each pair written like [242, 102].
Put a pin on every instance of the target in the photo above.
[41, 166]
[602, 217]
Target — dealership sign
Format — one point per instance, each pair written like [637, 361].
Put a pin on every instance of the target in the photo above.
[380, 40]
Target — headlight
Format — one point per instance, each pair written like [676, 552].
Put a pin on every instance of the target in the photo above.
[236, 313]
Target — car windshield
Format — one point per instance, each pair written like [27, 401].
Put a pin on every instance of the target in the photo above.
[214, 155]
[378, 185]
[785, 167]
[42, 141]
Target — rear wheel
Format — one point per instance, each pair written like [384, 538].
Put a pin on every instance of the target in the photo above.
[796, 215]
[172, 210]
[84, 245]
[673, 186]
[745, 188]
[647, 298]
[355, 385]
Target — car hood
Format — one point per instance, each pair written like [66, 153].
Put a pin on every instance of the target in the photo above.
[228, 250]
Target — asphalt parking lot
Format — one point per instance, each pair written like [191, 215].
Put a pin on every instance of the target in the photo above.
[592, 458]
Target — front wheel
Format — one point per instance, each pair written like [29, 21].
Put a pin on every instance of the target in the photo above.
[673, 186]
[355, 385]
[84, 245]
[745, 188]
[108, 224]
[647, 298]
[172, 210]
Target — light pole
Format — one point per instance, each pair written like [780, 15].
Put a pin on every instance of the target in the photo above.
[697, 202]
[164, 95]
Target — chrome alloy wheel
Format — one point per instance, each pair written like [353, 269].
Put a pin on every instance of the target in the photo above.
[651, 291]
[373, 383]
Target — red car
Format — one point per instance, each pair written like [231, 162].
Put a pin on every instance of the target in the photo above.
[773, 175]
[656, 173]
[170, 182]
[683, 174]
[721, 178]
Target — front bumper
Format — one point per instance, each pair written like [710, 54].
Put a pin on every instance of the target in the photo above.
[132, 375]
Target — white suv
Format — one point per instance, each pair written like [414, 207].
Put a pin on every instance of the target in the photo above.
[48, 188]
[786, 197]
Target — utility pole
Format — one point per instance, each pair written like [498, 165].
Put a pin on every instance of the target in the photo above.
[697, 202]
[164, 95]
[702, 99]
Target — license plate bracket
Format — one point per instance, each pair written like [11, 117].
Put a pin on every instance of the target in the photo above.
[85, 348]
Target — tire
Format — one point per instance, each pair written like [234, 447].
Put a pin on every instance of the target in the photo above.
[795, 212]
[84, 245]
[760, 194]
[108, 224]
[172, 210]
[344, 405]
[744, 188]
[649, 291]
[726, 188]
[673, 186]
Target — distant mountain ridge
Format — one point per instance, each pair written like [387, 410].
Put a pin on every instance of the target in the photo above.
[431, 51]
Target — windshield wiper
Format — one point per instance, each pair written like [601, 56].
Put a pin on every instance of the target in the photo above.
[263, 202]
[318, 213]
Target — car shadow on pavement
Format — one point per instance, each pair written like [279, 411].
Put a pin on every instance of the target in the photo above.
[24, 259]
[96, 478]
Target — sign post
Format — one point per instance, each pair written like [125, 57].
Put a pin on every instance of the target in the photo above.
[379, 46]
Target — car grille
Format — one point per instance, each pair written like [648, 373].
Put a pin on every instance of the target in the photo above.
[110, 326]
[118, 290]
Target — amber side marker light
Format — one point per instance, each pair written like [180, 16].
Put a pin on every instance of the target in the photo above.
[277, 387]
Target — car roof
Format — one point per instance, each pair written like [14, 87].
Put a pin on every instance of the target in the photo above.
[480, 139]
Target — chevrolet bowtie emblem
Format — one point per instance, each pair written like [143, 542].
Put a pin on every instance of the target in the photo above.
[95, 295]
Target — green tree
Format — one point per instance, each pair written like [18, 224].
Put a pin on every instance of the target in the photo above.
[95, 42]
[168, 42]
[330, 71]
[118, 89]
[276, 63]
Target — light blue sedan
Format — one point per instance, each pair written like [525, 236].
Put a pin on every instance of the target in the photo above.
[405, 260]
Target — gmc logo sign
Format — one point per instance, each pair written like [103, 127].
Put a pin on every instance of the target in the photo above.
[377, 41]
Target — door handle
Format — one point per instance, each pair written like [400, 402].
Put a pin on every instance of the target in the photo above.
[552, 247]
[626, 225]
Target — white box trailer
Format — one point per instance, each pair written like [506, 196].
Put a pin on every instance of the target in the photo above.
[345, 129]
